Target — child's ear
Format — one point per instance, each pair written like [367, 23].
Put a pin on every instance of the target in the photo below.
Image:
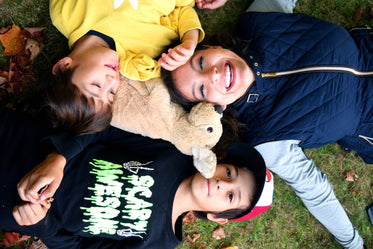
[62, 65]
[213, 217]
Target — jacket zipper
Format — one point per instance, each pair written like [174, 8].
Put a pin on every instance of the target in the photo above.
[342, 69]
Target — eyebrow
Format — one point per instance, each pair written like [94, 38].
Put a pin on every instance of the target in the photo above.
[194, 83]
[239, 191]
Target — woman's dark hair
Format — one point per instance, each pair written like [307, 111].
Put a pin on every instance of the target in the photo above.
[70, 110]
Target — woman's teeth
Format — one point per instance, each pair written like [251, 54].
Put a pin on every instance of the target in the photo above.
[228, 76]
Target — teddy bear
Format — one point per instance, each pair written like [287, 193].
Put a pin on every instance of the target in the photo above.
[146, 108]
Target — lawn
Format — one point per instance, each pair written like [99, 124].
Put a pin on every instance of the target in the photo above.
[287, 224]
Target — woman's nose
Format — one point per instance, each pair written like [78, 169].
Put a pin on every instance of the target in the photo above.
[214, 75]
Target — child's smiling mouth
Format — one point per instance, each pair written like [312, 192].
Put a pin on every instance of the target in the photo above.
[112, 66]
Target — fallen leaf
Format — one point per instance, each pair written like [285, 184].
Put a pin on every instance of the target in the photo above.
[34, 48]
[218, 233]
[351, 176]
[12, 42]
[11, 237]
[202, 246]
[353, 191]
[358, 14]
[245, 230]
[37, 244]
[189, 217]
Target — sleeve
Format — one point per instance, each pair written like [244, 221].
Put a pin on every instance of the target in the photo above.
[187, 19]
[70, 145]
[287, 159]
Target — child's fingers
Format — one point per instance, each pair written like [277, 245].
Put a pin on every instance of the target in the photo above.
[176, 54]
[165, 65]
[29, 213]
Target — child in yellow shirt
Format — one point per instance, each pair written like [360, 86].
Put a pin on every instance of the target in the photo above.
[120, 36]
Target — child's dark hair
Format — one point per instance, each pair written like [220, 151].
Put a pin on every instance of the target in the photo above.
[244, 157]
[70, 110]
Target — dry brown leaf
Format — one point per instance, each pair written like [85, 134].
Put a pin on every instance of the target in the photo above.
[37, 244]
[218, 233]
[351, 176]
[353, 191]
[189, 217]
[358, 14]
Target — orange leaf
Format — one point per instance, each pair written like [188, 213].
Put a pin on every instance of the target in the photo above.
[12, 41]
[218, 233]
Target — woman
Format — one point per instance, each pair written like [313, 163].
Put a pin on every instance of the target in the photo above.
[129, 193]
[299, 83]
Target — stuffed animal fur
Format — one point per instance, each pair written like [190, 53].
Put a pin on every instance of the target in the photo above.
[146, 108]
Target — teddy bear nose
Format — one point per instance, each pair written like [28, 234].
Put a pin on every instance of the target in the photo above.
[218, 109]
[210, 129]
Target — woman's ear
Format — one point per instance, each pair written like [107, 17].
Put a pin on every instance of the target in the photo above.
[62, 65]
[213, 217]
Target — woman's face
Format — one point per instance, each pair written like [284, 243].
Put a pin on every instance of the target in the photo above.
[229, 188]
[214, 75]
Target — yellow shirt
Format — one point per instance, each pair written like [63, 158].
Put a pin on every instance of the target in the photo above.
[141, 29]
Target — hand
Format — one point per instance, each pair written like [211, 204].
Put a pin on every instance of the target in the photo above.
[179, 55]
[29, 214]
[175, 57]
[42, 182]
[210, 4]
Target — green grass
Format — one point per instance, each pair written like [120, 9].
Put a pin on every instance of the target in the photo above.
[287, 224]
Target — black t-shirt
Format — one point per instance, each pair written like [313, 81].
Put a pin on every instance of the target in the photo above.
[117, 193]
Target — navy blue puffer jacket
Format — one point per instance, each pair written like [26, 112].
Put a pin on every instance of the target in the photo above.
[313, 82]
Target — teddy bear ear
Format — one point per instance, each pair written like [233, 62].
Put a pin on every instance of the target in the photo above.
[218, 109]
[204, 160]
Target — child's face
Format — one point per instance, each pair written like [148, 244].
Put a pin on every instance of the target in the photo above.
[97, 74]
[229, 188]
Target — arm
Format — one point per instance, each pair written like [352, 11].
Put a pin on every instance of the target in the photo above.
[47, 177]
[180, 55]
[210, 4]
[287, 160]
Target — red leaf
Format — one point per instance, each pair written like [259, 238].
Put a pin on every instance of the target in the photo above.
[11, 237]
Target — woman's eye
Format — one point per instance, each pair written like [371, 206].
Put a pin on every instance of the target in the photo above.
[201, 90]
[201, 63]
[229, 175]
[96, 85]
[112, 93]
[230, 196]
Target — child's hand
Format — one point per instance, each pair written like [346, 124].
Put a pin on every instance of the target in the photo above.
[210, 4]
[42, 182]
[175, 57]
[179, 55]
[28, 213]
